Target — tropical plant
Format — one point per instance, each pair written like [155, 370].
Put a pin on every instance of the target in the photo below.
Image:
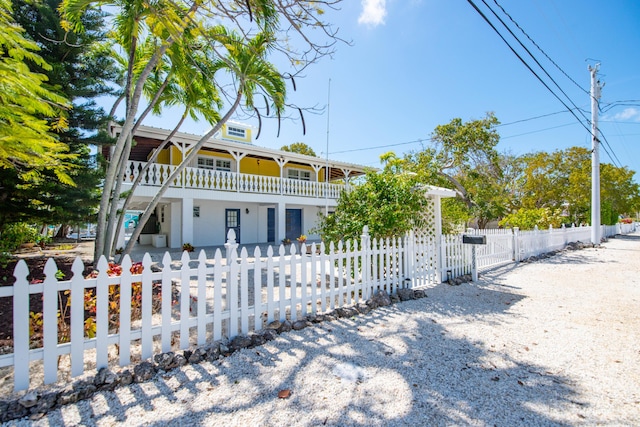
[300, 148]
[388, 203]
[148, 33]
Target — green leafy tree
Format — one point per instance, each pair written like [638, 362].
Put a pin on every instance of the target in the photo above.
[529, 218]
[462, 156]
[388, 203]
[300, 148]
[146, 33]
[80, 70]
[561, 180]
[29, 112]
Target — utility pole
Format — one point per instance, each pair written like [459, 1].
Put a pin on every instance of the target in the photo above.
[596, 88]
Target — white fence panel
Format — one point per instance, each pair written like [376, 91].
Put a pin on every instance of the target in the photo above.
[200, 303]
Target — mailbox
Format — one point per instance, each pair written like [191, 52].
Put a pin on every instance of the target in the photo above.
[474, 240]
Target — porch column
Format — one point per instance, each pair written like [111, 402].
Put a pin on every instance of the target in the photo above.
[281, 162]
[187, 222]
[281, 223]
[174, 238]
[437, 207]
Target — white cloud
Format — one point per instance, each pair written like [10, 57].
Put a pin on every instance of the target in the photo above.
[373, 12]
[628, 114]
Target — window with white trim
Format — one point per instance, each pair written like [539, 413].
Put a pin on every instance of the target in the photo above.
[299, 174]
[235, 131]
[214, 164]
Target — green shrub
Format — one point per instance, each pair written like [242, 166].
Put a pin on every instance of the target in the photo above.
[14, 235]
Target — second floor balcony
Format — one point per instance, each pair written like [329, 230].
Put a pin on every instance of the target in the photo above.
[205, 179]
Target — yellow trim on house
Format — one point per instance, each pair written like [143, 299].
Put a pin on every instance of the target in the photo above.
[226, 134]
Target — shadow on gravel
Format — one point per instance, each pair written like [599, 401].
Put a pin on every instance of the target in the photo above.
[633, 237]
[430, 377]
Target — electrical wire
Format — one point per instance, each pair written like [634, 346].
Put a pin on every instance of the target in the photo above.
[535, 60]
[532, 118]
[540, 49]
[477, 9]
[380, 146]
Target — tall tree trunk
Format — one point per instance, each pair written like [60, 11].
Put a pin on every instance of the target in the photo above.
[185, 161]
[111, 235]
[127, 127]
[142, 173]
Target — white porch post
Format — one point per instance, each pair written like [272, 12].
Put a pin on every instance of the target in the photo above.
[281, 225]
[281, 162]
[187, 223]
[437, 207]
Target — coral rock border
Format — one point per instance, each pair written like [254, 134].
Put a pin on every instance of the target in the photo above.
[36, 403]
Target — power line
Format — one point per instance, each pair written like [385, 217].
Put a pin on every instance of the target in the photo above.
[531, 118]
[537, 131]
[379, 146]
[536, 61]
[540, 49]
[612, 152]
[531, 69]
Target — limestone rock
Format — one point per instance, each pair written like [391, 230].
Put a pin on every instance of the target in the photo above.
[105, 379]
[143, 372]
[299, 325]
[239, 342]
[28, 400]
[381, 299]
[269, 334]
[286, 326]
[405, 294]
[258, 339]
[198, 355]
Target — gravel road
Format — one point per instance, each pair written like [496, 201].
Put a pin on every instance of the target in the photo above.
[556, 342]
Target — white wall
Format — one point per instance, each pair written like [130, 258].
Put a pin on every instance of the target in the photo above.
[208, 229]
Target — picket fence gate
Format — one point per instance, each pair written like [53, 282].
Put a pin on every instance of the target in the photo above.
[176, 308]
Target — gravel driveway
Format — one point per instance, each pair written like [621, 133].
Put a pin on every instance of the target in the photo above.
[556, 342]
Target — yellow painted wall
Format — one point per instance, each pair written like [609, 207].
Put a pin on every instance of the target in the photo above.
[176, 155]
[163, 156]
[248, 165]
[259, 167]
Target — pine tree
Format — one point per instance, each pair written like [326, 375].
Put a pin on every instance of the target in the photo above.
[80, 70]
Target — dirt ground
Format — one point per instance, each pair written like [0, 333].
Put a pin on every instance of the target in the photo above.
[36, 259]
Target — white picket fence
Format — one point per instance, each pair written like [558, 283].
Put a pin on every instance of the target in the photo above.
[211, 299]
[203, 300]
[513, 245]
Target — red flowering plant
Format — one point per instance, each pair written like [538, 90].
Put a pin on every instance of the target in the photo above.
[90, 299]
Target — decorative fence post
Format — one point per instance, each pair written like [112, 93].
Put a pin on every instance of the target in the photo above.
[231, 245]
[367, 285]
[516, 244]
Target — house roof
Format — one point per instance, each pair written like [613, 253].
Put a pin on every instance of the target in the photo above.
[148, 138]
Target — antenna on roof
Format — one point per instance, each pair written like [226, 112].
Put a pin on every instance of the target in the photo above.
[326, 174]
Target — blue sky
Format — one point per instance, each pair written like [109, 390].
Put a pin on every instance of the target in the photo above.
[415, 64]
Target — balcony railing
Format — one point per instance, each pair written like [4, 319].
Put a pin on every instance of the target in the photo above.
[205, 179]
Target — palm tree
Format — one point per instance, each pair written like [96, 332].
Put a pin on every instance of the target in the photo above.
[180, 84]
[245, 61]
[165, 22]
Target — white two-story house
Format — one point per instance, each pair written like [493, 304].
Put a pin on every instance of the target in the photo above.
[265, 195]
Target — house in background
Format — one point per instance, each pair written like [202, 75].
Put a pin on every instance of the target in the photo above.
[265, 195]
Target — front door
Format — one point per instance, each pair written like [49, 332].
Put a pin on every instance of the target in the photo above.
[232, 221]
[271, 225]
[293, 224]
